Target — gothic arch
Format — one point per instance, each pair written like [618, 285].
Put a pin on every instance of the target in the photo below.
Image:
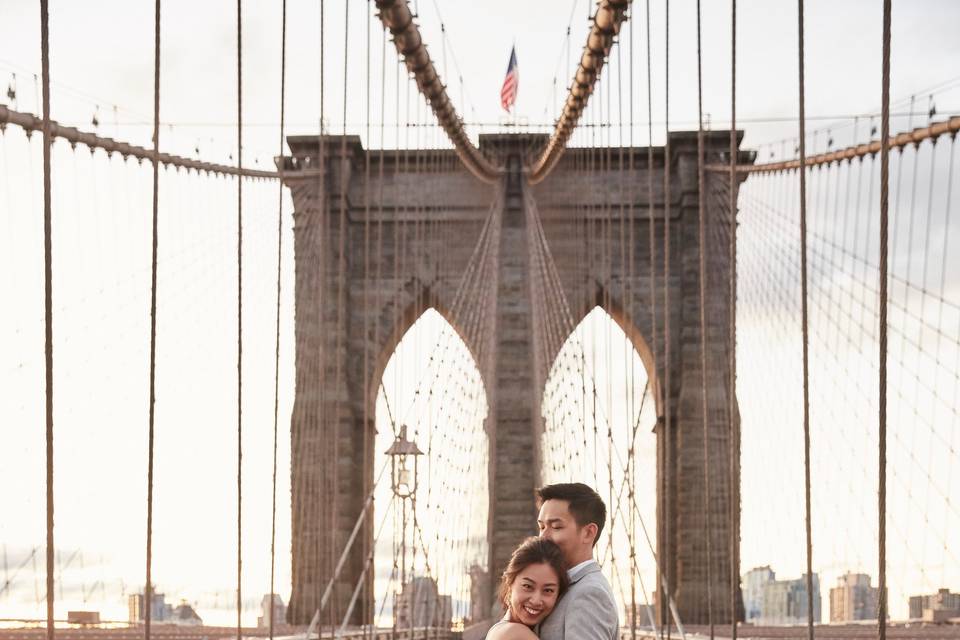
[396, 327]
[615, 309]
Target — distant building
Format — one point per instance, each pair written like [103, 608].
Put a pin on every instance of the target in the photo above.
[753, 583]
[642, 614]
[160, 611]
[853, 598]
[480, 604]
[83, 617]
[786, 602]
[936, 607]
[278, 611]
[421, 605]
[184, 614]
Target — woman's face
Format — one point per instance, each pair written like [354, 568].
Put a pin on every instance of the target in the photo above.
[533, 594]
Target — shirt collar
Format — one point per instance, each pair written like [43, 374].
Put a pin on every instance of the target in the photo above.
[572, 571]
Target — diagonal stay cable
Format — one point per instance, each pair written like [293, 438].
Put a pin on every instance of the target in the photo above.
[366, 567]
[470, 279]
[346, 550]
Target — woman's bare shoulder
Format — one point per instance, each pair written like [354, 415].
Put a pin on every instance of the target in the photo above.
[511, 631]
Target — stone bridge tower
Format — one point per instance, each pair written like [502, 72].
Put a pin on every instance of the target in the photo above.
[343, 341]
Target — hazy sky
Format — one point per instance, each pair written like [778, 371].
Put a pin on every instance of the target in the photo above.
[102, 63]
[102, 53]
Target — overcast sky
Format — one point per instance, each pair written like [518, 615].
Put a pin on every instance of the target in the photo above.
[102, 54]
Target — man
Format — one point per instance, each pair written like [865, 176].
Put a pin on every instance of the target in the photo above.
[572, 517]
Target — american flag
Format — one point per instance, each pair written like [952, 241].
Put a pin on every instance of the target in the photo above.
[508, 92]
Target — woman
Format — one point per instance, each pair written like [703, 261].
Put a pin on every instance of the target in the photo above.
[532, 583]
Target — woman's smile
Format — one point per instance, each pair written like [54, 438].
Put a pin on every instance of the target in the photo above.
[533, 594]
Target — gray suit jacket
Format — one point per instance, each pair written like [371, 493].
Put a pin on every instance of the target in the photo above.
[587, 610]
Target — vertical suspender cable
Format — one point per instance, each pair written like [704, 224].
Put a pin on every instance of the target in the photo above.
[652, 241]
[665, 549]
[628, 304]
[148, 587]
[47, 297]
[325, 561]
[804, 327]
[399, 514]
[276, 354]
[334, 498]
[341, 311]
[378, 271]
[652, 225]
[882, 437]
[239, 310]
[701, 235]
[733, 434]
[367, 434]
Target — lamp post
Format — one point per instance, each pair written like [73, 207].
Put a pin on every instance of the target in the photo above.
[404, 479]
[404, 484]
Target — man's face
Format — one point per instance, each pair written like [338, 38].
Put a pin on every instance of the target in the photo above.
[558, 526]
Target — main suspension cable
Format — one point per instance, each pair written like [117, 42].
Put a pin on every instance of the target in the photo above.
[606, 25]
[29, 123]
[397, 17]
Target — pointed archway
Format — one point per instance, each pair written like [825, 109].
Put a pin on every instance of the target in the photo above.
[599, 419]
[428, 547]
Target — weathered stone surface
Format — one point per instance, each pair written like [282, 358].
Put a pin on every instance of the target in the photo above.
[357, 214]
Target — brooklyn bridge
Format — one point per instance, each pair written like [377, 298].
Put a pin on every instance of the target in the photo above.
[331, 361]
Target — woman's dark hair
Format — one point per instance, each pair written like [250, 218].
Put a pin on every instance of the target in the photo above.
[534, 550]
